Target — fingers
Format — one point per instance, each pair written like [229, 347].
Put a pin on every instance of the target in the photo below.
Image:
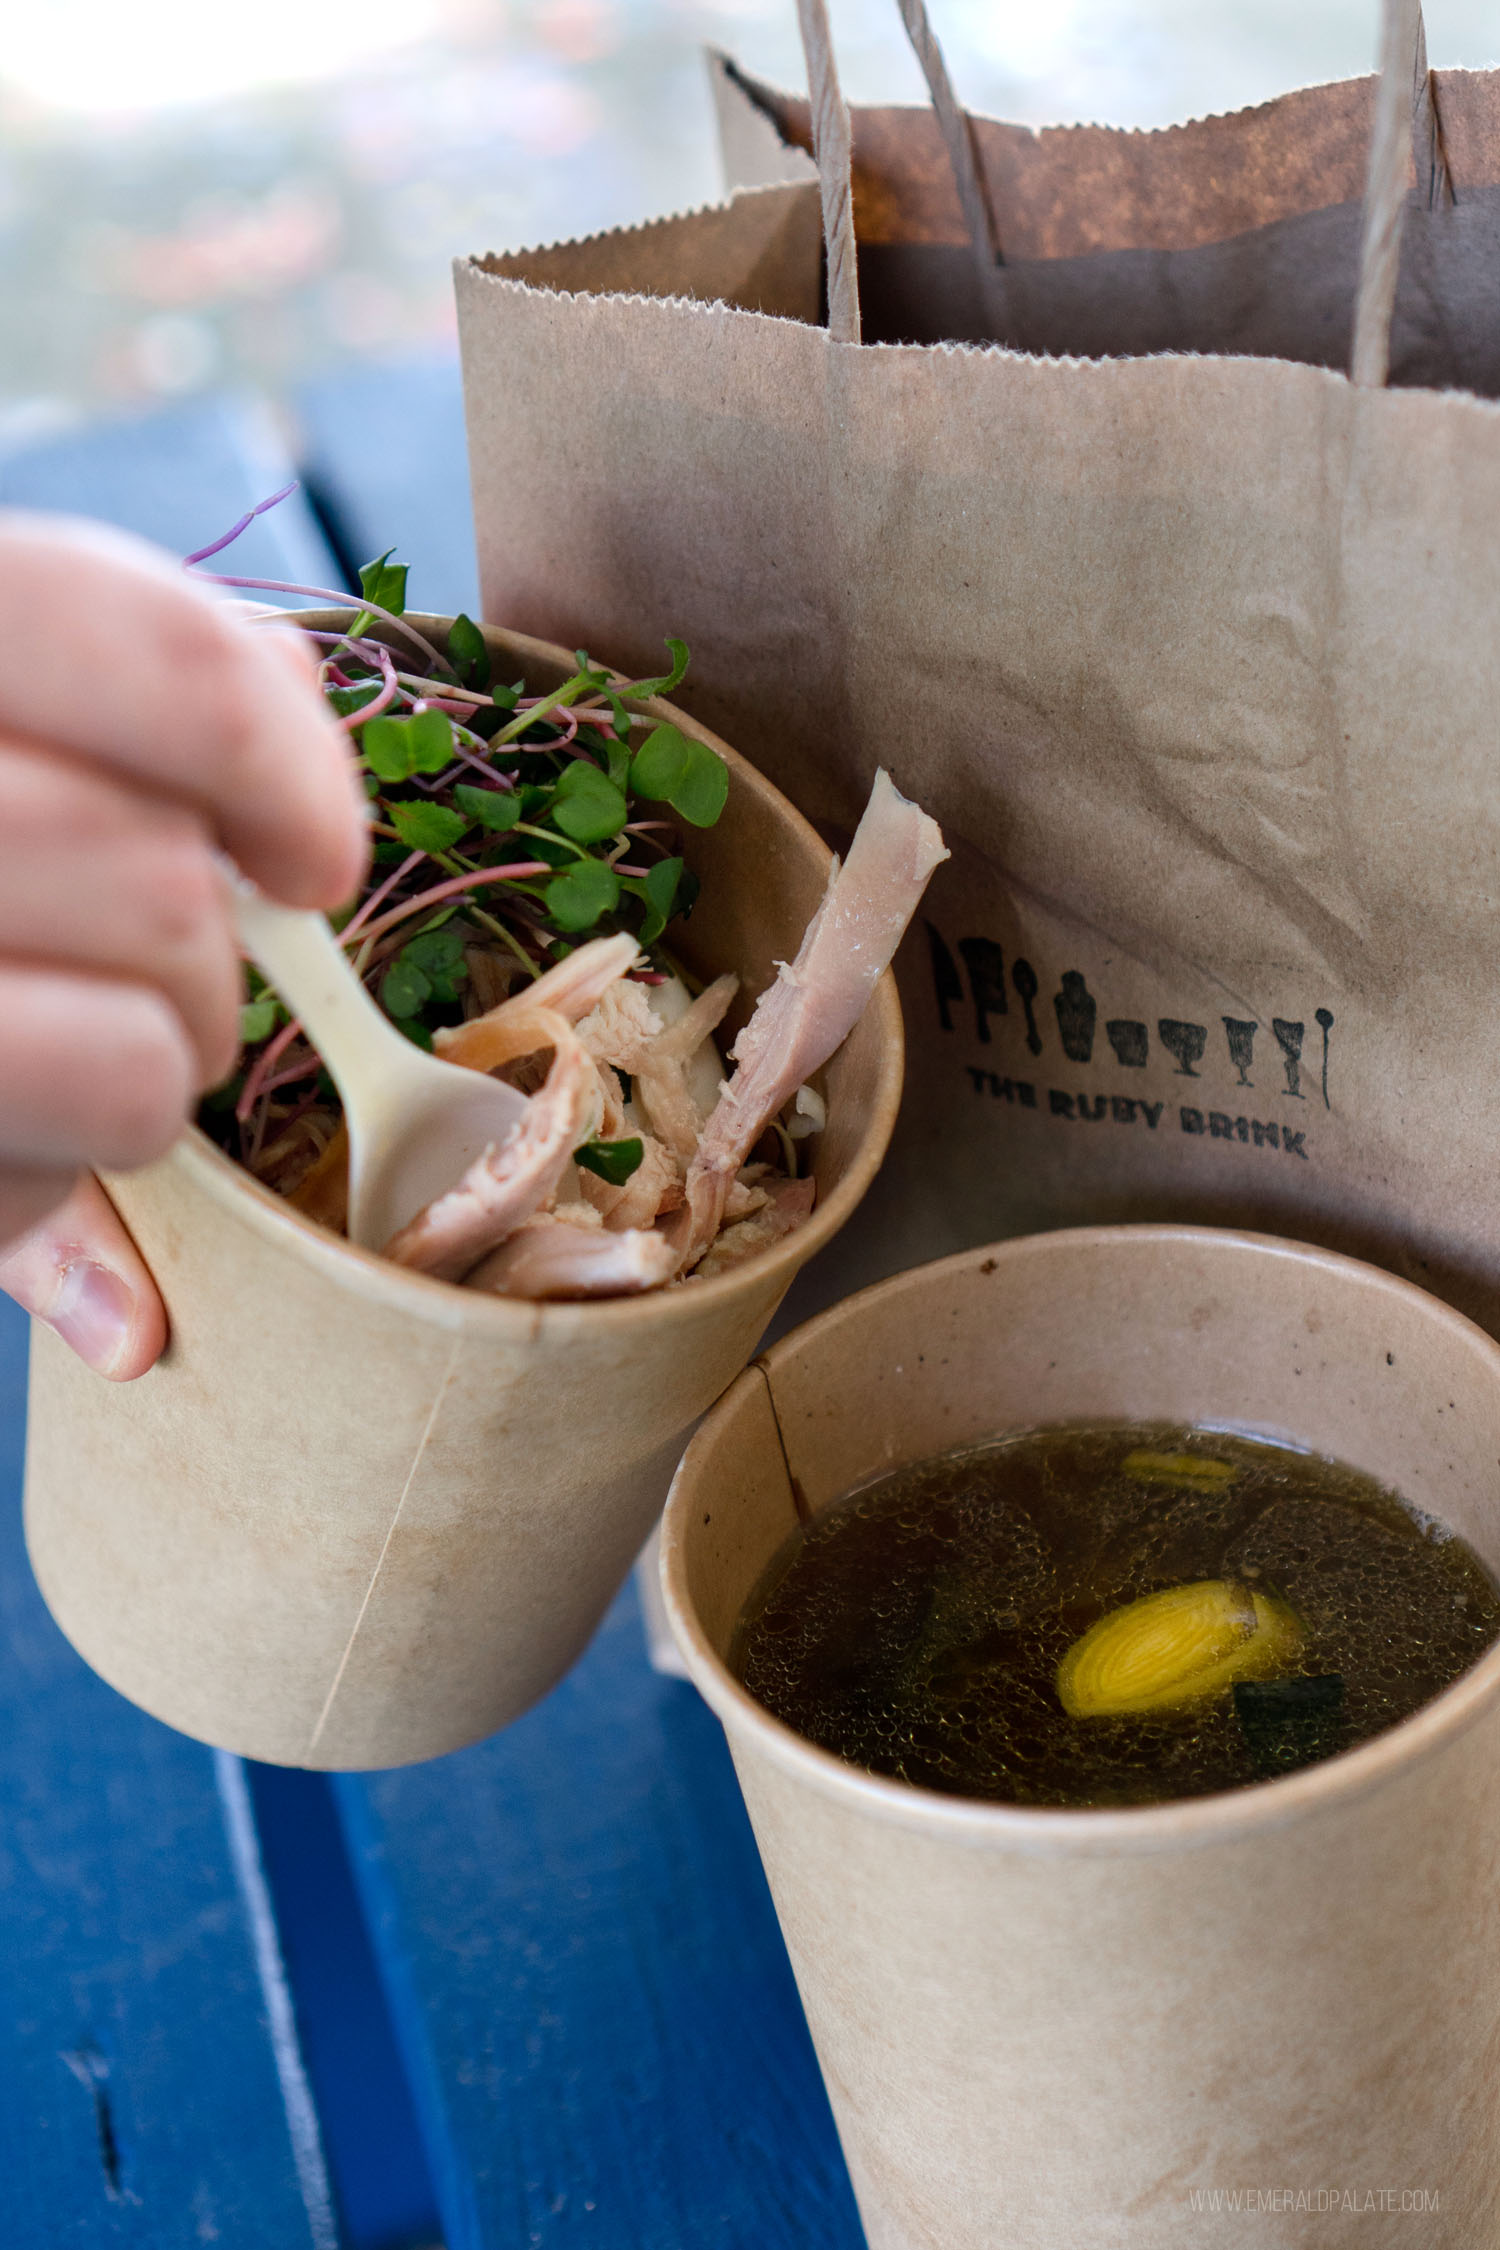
[176, 692]
[79, 1271]
[93, 1072]
[109, 880]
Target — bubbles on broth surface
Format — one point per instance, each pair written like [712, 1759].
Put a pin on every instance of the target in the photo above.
[916, 1628]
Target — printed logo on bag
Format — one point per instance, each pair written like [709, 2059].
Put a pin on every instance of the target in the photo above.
[1294, 1068]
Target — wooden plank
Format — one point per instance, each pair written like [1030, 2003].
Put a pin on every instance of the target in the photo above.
[384, 452]
[180, 477]
[153, 2075]
[596, 2009]
[142, 2099]
[369, 2127]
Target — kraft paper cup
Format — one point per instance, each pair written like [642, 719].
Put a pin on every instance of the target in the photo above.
[358, 1517]
[1266, 2017]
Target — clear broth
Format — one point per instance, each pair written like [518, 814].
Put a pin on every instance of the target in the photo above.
[916, 1627]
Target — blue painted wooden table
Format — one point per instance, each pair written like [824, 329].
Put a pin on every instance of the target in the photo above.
[529, 1995]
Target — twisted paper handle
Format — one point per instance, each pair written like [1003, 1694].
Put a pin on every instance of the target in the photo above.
[958, 135]
[832, 151]
[1406, 131]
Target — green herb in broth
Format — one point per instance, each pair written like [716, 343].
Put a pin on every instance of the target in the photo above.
[923, 1627]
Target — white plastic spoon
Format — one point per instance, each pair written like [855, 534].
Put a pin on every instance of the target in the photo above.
[415, 1124]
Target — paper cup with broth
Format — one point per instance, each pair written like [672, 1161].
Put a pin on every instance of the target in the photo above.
[357, 1517]
[1093, 2029]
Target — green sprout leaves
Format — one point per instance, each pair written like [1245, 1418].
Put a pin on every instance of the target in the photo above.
[347, 700]
[510, 823]
[561, 796]
[439, 954]
[384, 583]
[395, 749]
[587, 806]
[257, 1021]
[403, 989]
[467, 653]
[577, 898]
[658, 892]
[425, 827]
[672, 766]
[678, 651]
[428, 967]
[611, 1160]
[494, 809]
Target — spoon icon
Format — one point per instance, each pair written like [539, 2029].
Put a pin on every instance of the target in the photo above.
[415, 1124]
[1023, 977]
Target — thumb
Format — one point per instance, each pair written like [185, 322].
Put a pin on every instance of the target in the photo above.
[79, 1271]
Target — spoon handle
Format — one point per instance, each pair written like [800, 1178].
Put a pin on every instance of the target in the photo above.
[299, 954]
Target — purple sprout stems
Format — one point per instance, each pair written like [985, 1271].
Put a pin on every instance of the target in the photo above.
[244, 524]
[359, 605]
[382, 702]
[499, 782]
[262, 1067]
[516, 871]
[356, 922]
[343, 640]
[450, 691]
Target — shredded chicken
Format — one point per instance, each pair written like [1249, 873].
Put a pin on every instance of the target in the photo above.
[693, 1200]
[570, 989]
[742, 1200]
[781, 1211]
[625, 1032]
[816, 1000]
[516, 1176]
[322, 1193]
[653, 1187]
[562, 1254]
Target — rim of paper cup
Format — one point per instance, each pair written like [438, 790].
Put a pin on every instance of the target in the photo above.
[1078, 1831]
[447, 1303]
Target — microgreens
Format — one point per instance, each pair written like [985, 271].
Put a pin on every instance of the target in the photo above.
[673, 766]
[508, 825]
[383, 584]
[612, 1160]
[395, 749]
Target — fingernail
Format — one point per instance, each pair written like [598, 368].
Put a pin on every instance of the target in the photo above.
[93, 1312]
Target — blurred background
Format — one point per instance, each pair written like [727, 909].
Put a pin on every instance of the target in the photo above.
[195, 197]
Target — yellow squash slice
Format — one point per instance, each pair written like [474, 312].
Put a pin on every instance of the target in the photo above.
[1199, 1472]
[1176, 1647]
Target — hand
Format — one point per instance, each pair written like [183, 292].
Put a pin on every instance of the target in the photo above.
[144, 730]
[81, 1273]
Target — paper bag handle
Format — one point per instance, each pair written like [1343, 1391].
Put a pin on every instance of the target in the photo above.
[957, 129]
[832, 153]
[1401, 37]
[1406, 130]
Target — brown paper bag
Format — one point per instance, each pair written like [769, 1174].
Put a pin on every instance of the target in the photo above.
[1194, 657]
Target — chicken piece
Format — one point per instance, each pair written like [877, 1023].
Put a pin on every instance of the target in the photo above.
[322, 1193]
[625, 1030]
[817, 999]
[742, 1200]
[568, 1253]
[613, 1124]
[516, 1176]
[654, 1185]
[619, 1028]
[680, 1041]
[786, 1206]
[571, 990]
